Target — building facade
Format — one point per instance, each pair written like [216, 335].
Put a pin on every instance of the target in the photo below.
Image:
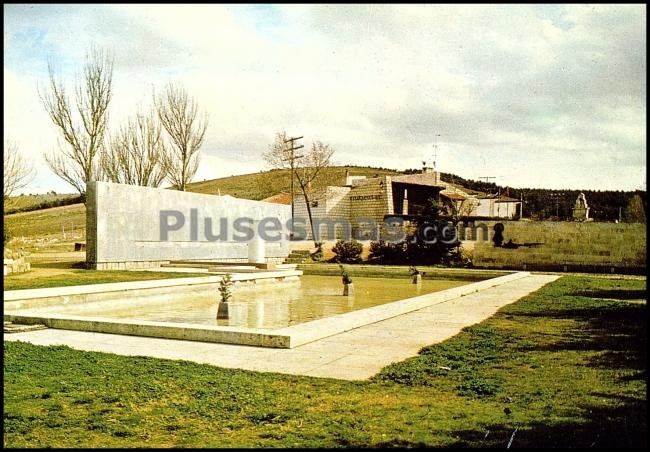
[364, 201]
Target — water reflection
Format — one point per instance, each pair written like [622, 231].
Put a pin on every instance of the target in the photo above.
[264, 306]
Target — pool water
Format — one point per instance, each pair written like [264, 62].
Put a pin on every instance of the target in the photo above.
[310, 298]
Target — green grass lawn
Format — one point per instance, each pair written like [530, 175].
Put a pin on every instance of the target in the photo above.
[40, 277]
[562, 367]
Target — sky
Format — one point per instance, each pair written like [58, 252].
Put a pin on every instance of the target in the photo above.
[545, 96]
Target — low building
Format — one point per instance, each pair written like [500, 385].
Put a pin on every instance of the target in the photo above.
[497, 206]
[408, 197]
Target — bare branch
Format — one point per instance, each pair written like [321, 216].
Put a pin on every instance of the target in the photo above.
[178, 114]
[310, 167]
[83, 127]
[18, 172]
[136, 153]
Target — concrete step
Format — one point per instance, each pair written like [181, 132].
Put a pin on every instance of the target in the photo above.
[295, 261]
[215, 263]
[300, 253]
[10, 327]
[186, 265]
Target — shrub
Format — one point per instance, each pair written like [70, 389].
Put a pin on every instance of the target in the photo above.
[348, 252]
[414, 250]
[383, 252]
[225, 287]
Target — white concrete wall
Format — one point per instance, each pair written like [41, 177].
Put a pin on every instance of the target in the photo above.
[505, 210]
[483, 209]
[123, 226]
[490, 208]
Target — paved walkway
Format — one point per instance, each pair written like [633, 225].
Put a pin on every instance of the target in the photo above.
[354, 355]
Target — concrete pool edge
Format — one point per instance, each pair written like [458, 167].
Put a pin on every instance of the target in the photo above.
[288, 337]
[304, 333]
[15, 299]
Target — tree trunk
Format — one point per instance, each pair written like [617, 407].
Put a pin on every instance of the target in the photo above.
[311, 221]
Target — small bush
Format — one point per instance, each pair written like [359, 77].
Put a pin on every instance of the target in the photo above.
[225, 287]
[348, 252]
[387, 253]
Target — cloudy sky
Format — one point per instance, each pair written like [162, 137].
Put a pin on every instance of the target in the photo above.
[538, 96]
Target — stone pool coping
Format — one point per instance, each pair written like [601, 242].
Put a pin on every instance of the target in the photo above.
[23, 295]
[287, 337]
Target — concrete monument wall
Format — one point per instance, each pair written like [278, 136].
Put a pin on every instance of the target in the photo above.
[123, 226]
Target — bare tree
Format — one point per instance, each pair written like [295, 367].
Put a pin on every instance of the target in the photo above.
[461, 208]
[135, 154]
[179, 116]
[310, 169]
[17, 171]
[83, 123]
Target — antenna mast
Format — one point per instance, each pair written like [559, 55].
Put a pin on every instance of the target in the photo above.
[435, 150]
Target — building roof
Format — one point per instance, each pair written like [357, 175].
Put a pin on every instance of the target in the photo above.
[426, 179]
[506, 199]
[469, 191]
[279, 198]
[499, 198]
[453, 196]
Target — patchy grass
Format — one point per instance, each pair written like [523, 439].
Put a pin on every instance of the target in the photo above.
[40, 277]
[44, 222]
[560, 367]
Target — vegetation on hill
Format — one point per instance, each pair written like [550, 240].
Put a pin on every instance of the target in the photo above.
[540, 204]
[47, 221]
[28, 203]
[548, 204]
[263, 184]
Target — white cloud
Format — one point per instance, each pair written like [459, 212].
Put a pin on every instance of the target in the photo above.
[532, 86]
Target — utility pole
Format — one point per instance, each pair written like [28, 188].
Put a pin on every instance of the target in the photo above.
[487, 179]
[291, 159]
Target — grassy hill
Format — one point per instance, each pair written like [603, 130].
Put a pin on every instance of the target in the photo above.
[261, 185]
[255, 186]
[27, 203]
[42, 222]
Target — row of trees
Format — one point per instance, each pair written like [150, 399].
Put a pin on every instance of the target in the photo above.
[549, 204]
[159, 144]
